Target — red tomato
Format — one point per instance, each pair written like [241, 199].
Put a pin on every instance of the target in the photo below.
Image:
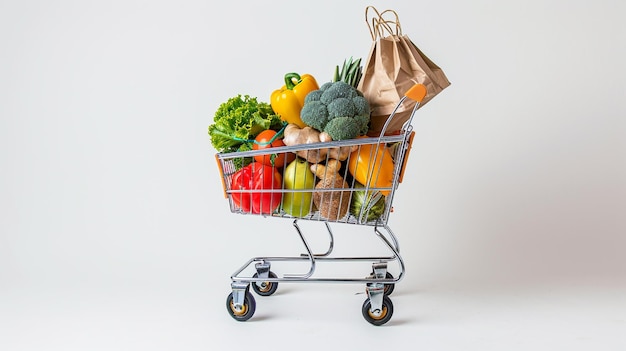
[262, 141]
[256, 176]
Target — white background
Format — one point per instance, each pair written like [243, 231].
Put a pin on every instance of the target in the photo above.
[115, 234]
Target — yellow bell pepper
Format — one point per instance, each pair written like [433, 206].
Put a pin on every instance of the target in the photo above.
[287, 101]
[372, 165]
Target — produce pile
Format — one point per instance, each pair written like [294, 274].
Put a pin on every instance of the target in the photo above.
[329, 182]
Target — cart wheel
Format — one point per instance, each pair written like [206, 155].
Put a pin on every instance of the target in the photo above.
[378, 318]
[265, 288]
[388, 287]
[247, 310]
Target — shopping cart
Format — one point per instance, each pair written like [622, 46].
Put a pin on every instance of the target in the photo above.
[329, 204]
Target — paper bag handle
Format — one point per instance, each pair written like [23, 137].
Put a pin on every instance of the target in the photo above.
[380, 26]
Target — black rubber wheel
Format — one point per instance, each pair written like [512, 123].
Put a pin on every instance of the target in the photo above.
[266, 288]
[247, 310]
[383, 317]
[389, 287]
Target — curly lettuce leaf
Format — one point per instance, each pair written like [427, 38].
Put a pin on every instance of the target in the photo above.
[240, 162]
[240, 119]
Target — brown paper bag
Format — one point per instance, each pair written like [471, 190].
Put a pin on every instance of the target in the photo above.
[393, 66]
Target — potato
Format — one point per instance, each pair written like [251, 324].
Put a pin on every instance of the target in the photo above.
[332, 205]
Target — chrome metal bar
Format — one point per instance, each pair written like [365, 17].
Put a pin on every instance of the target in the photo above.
[310, 256]
[311, 146]
[331, 244]
[394, 247]
[321, 259]
[392, 236]
[365, 279]
[377, 261]
[235, 275]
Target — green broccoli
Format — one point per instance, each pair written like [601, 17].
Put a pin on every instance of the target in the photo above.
[341, 107]
[341, 128]
[363, 121]
[315, 113]
[337, 90]
[338, 109]
[313, 95]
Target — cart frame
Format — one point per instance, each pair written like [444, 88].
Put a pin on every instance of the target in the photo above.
[377, 308]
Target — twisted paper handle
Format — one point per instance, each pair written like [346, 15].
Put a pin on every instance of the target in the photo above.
[381, 27]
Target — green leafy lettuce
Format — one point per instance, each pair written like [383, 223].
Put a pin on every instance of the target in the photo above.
[239, 120]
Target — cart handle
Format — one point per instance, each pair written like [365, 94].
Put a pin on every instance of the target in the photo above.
[406, 156]
[416, 92]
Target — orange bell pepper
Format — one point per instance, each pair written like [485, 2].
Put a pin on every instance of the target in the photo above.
[372, 165]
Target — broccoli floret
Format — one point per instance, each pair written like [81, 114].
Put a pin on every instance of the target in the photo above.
[342, 128]
[338, 109]
[363, 121]
[341, 107]
[314, 114]
[338, 90]
[361, 105]
[313, 96]
[325, 86]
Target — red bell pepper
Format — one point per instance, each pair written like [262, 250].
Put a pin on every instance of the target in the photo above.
[256, 176]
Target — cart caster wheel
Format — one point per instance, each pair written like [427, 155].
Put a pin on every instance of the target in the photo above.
[264, 288]
[378, 317]
[388, 287]
[247, 309]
